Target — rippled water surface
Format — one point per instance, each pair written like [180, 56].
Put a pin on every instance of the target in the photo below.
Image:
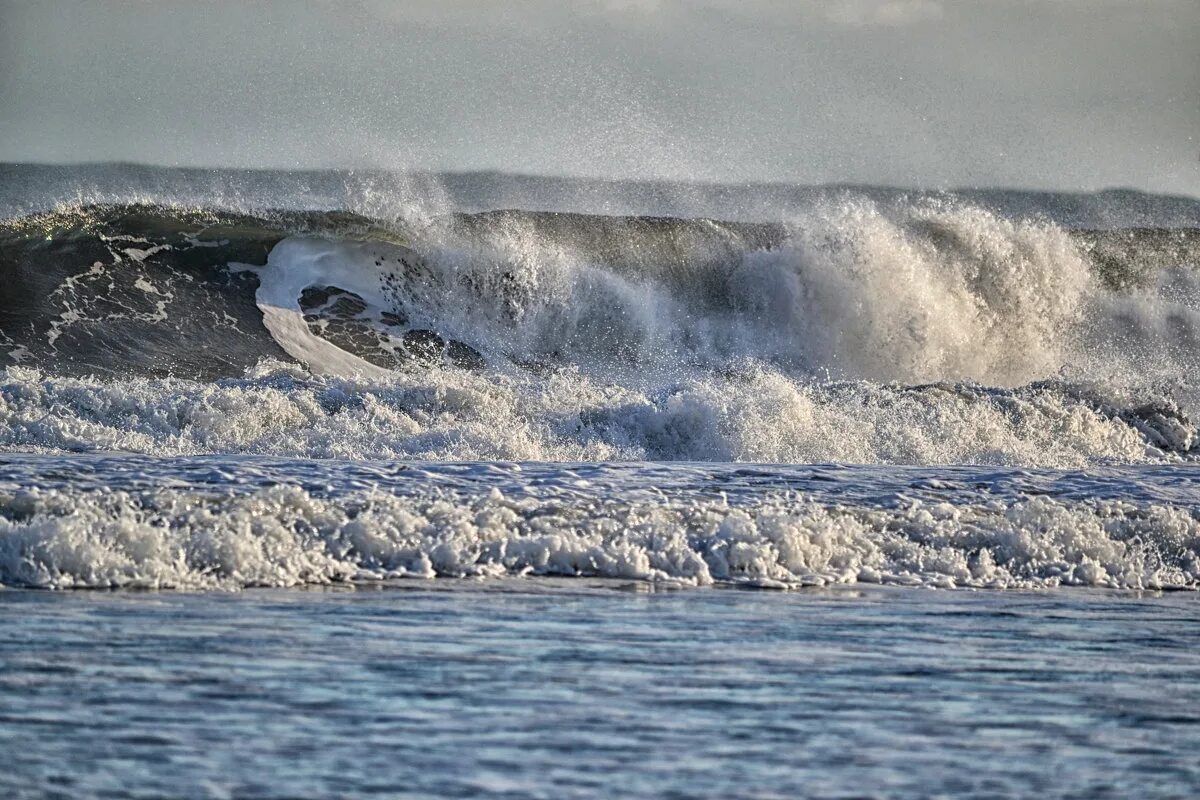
[573, 688]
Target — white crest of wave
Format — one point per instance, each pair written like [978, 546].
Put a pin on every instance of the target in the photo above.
[284, 536]
[939, 294]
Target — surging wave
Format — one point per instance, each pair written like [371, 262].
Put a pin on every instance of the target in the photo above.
[926, 332]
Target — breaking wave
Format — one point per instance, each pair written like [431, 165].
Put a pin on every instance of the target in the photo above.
[922, 332]
[195, 343]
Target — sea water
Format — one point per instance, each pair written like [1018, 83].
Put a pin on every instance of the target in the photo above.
[576, 688]
[320, 484]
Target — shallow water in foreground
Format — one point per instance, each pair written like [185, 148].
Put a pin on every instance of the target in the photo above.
[576, 688]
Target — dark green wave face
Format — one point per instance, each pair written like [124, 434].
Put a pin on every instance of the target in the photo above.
[129, 290]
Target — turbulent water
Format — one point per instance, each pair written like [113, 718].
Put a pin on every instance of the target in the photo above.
[1027, 371]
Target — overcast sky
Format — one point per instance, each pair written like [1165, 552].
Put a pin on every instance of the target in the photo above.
[1065, 94]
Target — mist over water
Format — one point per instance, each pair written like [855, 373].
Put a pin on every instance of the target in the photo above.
[1062, 95]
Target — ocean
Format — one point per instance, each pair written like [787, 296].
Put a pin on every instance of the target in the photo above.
[367, 484]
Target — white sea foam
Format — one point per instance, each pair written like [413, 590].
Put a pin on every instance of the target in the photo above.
[759, 414]
[285, 536]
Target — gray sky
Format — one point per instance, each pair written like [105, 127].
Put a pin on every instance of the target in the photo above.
[1064, 94]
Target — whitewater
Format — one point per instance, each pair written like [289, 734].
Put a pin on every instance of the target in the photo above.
[593, 361]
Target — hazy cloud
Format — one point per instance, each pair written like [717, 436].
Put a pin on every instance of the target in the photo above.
[883, 12]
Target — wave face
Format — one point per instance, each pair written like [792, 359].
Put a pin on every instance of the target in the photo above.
[923, 332]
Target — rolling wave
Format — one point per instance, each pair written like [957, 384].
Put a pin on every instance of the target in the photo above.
[921, 332]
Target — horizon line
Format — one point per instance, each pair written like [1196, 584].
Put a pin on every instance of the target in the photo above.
[580, 178]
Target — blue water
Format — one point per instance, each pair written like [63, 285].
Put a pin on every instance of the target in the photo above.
[574, 688]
